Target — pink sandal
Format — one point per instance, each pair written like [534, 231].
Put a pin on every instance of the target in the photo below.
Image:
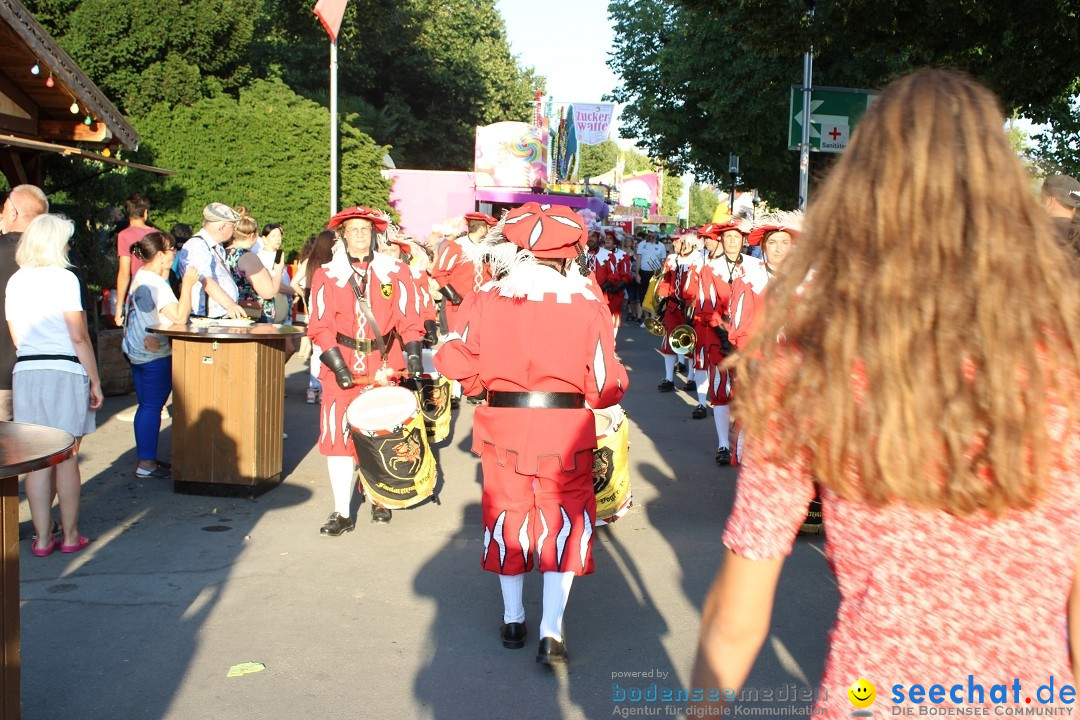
[83, 542]
[45, 551]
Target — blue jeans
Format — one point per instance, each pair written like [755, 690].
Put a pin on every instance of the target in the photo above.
[153, 383]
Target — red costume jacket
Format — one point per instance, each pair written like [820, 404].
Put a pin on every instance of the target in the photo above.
[679, 284]
[555, 339]
[453, 267]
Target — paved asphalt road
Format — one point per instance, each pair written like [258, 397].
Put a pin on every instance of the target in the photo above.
[386, 622]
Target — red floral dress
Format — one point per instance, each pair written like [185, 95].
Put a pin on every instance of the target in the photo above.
[927, 597]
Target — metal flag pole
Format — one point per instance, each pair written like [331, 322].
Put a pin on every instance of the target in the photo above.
[804, 147]
[333, 130]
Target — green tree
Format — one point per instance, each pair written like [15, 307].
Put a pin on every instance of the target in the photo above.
[598, 159]
[144, 52]
[673, 190]
[267, 150]
[429, 71]
[703, 202]
[1057, 148]
[705, 78]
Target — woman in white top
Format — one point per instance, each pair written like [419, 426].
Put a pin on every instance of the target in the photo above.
[151, 302]
[55, 382]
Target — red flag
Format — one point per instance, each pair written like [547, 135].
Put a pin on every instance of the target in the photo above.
[330, 13]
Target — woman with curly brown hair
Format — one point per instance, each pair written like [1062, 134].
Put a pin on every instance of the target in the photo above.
[928, 381]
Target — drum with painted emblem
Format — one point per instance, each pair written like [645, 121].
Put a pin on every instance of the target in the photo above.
[611, 468]
[395, 462]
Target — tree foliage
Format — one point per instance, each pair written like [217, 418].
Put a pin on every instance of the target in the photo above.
[268, 151]
[705, 78]
[703, 202]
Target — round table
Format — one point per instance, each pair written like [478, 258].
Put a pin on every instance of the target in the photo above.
[228, 406]
[23, 448]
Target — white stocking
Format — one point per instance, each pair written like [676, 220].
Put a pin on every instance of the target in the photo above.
[669, 367]
[342, 470]
[722, 416]
[556, 593]
[512, 588]
[701, 377]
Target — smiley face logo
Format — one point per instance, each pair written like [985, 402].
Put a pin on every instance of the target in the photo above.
[862, 693]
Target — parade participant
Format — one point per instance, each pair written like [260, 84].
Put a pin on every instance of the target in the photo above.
[614, 274]
[726, 265]
[775, 234]
[944, 433]
[651, 254]
[676, 291]
[541, 344]
[455, 274]
[354, 289]
[400, 247]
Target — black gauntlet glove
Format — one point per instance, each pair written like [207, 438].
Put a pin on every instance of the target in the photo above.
[431, 333]
[661, 305]
[451, 294]
[332, 359]
[607, 286]
[725, 343]
[414, 361]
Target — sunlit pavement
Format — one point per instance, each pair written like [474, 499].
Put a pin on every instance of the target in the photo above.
[387, 621]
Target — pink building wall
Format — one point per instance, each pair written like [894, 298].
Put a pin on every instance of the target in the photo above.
[424, 198]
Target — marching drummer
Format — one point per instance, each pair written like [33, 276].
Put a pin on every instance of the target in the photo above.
[541, 344]
[363, 310]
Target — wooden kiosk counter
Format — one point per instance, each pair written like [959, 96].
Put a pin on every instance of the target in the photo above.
[228, 406]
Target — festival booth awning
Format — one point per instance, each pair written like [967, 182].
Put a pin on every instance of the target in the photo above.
[513, 197]
[47, 104]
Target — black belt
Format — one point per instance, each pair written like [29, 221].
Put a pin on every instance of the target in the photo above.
[69, 358]
[551, 400]
[363, 345]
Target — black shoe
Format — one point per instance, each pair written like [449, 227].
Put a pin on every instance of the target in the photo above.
[812, 525]
[723, 456]
[699, 412]
[455, 403]
[690, 386]
[380, 515]
[680, 368]
[513, 635]
[551, 652]
[666, 386]
[336, 525]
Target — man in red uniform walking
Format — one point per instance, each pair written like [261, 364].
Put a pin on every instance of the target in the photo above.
[541, 343]
[357, 286]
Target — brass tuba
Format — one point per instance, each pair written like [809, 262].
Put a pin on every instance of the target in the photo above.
[649, 302]
[655, 326]
[682, 340]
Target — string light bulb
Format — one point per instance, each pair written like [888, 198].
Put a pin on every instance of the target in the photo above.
[49, 82]
[88, 121]
[35, 70]
[106, 152]
[74, 108]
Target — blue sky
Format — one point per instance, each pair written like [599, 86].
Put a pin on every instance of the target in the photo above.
[567, 41]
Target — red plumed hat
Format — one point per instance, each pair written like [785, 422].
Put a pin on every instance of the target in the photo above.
[377, 217]
[547, 231]
[482, 216]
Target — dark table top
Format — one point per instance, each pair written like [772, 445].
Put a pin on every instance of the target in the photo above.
[255, 331]
[25, 447]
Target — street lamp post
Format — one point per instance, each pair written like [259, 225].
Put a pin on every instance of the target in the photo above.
[733, 168]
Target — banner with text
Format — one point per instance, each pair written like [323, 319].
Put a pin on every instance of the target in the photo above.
[593, 122]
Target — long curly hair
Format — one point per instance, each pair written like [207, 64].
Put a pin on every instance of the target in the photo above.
[925, 316]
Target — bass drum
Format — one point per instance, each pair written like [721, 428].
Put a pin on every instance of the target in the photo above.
[611, 468]
[395, 462]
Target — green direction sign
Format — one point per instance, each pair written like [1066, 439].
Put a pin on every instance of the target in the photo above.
[834, 113]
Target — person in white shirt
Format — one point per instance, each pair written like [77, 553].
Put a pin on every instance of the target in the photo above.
[152, 302]
[55, 382]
